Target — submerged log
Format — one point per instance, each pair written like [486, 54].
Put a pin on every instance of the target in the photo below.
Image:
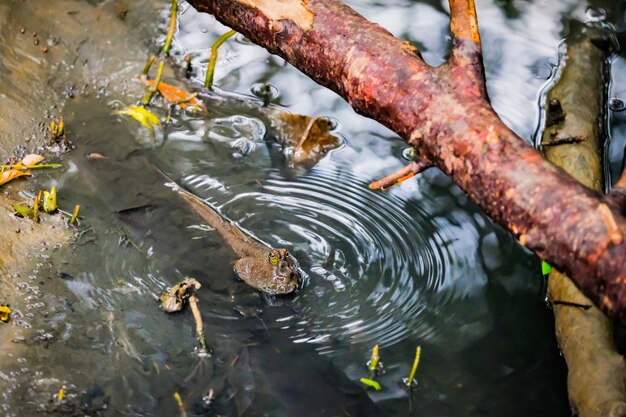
[444, 113]
[573, 139]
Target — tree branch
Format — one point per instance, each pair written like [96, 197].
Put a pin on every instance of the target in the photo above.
[447, 119]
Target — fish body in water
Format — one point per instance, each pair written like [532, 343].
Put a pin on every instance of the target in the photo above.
[268, 269]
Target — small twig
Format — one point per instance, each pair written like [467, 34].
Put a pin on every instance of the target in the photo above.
[149, 63]
[154, 87]
[208, 81]
[167, 45]
[36, 205]
[172, 28]
[415, 167]
[193, 303]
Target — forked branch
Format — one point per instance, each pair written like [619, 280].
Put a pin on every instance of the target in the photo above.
[444, 114]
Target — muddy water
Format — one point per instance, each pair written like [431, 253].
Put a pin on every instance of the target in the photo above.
[418, 265]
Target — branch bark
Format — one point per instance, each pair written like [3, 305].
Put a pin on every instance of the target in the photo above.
[573, 139]
[444, 113]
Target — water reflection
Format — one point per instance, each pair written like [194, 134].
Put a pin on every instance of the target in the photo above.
[416, 265]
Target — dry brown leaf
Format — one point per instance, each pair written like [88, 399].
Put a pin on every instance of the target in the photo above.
[32, 159]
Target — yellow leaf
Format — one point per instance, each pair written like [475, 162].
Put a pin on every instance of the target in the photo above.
[142, 115]
[61, 395]
[11, 174]
[5, 314]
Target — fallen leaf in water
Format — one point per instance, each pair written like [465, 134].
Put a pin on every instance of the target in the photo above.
[20, 168]
[5, 313]
[142, 115]
[12, 174]
[176, 95]
[311, 137]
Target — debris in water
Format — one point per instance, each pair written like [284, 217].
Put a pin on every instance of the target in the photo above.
[5, 313]
[177, 96]
[95, 155]
[11, 171]
[174, 299]
[181, 406]
[142, 115]
[371, 383]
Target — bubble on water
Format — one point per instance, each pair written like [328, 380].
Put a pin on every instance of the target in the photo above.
[265, 91]
[616, 104]
[595, 14]
[409, 153]
[333, 124]
[242, 40]
[242, 132]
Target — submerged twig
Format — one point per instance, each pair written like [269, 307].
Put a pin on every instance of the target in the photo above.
[181, 405]
[208, 81]
[193, 303]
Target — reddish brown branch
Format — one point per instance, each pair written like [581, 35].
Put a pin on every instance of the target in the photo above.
[443, 113]
[409, 171]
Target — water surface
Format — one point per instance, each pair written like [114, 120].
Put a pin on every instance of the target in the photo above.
[417, 265]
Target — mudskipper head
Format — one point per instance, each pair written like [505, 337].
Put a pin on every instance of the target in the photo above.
[274, 271]
[285, 273]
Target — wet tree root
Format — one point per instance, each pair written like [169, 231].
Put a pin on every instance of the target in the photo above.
[573, 139]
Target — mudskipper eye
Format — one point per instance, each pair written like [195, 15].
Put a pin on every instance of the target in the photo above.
[273, 258]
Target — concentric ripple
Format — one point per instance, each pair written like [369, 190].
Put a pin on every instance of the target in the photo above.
[372, 261]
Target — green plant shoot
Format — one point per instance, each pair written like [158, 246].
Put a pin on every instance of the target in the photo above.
[371, 383]
[409, 381]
